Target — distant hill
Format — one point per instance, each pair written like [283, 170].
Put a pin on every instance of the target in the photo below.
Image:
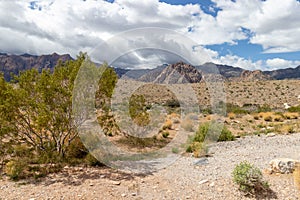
[167, 73]
[16, 63]
[225, 70]
[280, 74]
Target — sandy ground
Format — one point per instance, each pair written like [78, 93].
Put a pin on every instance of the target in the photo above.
[184, 179]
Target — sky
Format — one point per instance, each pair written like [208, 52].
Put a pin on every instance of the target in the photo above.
[251, 34]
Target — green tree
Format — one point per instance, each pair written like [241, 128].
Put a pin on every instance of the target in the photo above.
[40, 108]
[7, 101]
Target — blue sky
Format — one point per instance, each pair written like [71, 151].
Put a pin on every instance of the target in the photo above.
[242, 48]
[250, 34]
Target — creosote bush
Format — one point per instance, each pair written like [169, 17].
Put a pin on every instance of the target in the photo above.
[213, 132]
[37, 122]
[249, 178]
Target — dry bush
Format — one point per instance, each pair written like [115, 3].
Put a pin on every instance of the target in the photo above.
[174, 115]
[286, 128]
[168, 124]
[256, 116]
[278, 118]
[175, 118]
[265, 114]
[291, 115]
[231, 115]
[268, 118]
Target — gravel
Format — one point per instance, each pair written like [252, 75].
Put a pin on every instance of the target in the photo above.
[187, 178]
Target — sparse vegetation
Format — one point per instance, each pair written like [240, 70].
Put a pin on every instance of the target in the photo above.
[214, 132]
[294, 109]
[249, 178]
[211, 131]
[165, 134]
[167, 125]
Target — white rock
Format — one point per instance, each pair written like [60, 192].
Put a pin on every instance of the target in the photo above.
[283, 165]
[271, 134]
[203, 181]
[116, 182]
[286, 105]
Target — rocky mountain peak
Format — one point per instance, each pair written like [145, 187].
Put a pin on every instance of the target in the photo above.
[175, 74]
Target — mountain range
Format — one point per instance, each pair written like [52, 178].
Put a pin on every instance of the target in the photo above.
[179, 72]
[14, 64]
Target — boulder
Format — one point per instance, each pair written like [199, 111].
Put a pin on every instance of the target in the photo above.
[283, 165]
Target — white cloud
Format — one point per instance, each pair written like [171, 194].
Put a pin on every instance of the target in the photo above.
[248, 64]
[273, 23]
[139, 46]
[70, 26]
[236, 61]
[279, 63]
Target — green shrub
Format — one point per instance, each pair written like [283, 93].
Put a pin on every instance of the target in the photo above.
[214, 130]
[232, 108]
[249, 178]
[173, 103]
[165, 134]
[15, 169]
[207, 111]
[211, 130]
[264, 108]
[294, 109]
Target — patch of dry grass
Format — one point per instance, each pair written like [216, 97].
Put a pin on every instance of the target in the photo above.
[291, 115]
[231, 115]
[285, 128]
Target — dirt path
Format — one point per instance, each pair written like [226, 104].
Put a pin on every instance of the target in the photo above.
[209, 179]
